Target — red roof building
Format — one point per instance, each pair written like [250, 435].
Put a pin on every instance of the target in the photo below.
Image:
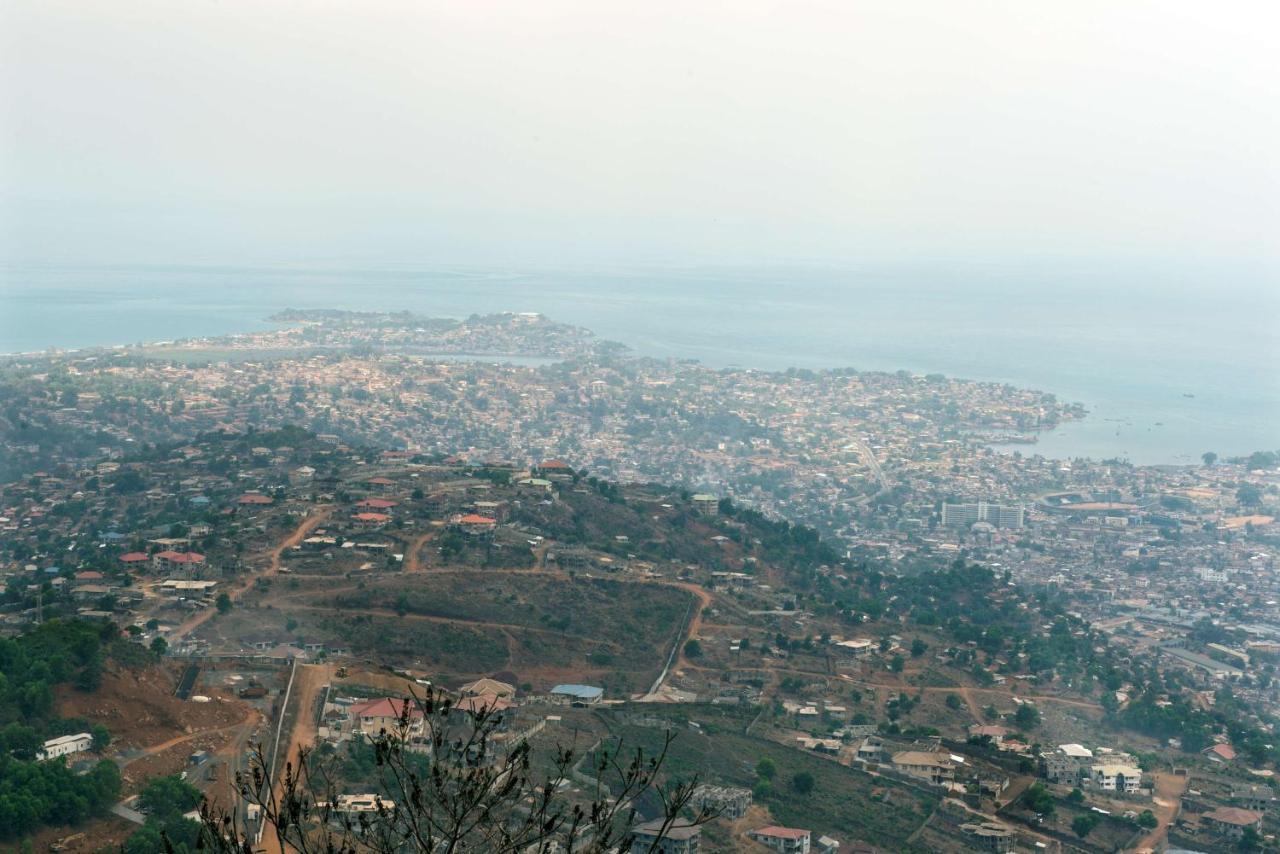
[254, 499]
[783, 839]
[384, 713]
[175, 559]
[1220, 753]
[134, 557]
[378, 503]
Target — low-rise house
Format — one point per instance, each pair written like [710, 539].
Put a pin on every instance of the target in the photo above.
[870, 749]
[681, 837]
[936, 767]
[65, 745]
[182, 587]
[490, 687]
[385, 714]
[1220, 753]
[784, 840]
[362, 803]
[252, 502]
[1231, 821]
[577, 695]
[377, 504]
[370, 521]
[995, 733]
[475, 525]
[489, 704]
[857, 648]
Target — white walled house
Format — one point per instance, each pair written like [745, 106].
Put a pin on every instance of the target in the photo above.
[65, 746]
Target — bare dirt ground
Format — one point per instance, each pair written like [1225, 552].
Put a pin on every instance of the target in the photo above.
[140, 710]
[172, 756]
[104, 834]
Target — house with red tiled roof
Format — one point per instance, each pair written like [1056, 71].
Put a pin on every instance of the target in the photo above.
[370, 521]
[380, 484]
[134, 558]
[1220, 753]
[171, 561]
[377, 504]
[251, 502]
[384, 714]
[473, 524]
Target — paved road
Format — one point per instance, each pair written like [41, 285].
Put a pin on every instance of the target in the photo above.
[127, 814]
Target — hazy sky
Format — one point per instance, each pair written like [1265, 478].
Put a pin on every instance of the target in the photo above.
[560, 131]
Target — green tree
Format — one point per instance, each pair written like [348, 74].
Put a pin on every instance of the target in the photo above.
[1076, 798]
[1027, 717]
[166, 797]
[159, 645]
[1249, 495]
[1083, 825]
[1148, 819]
[802, 782]
[693, 649]
[766, 769]
[1038, 800]
[897, 663]
[918, 648]
[101, 737]
[224, 603]
[1209, 458]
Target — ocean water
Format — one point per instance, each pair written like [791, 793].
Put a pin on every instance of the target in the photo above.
[1166, 373]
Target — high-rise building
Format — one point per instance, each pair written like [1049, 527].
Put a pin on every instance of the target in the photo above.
[1002, 516]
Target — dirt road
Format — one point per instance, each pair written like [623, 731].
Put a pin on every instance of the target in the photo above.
[695, 621]
[317, 517]
[310, 681]
[413, 552]
[1168, 795]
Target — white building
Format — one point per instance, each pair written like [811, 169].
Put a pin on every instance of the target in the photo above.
[65, 745]
[1116, 778]
[995, 514]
